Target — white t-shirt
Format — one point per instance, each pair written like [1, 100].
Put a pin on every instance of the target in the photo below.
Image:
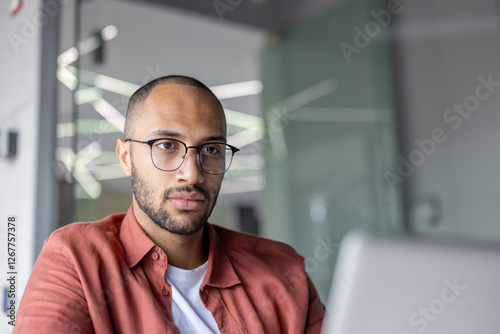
[188, 311]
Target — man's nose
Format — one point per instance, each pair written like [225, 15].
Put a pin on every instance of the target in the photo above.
[190, 171]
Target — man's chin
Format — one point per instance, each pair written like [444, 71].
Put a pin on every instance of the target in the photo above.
[186, 230]
[183, 222]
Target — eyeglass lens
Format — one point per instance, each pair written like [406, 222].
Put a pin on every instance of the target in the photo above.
[168, 155]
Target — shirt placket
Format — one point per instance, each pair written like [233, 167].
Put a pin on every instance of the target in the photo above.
[212, 300]
[156, 265]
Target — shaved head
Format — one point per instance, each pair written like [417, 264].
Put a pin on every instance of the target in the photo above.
[139, 97]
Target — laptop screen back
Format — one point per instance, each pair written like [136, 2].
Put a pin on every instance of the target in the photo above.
[408, 285]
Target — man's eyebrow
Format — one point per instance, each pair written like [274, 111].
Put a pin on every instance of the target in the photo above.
[166, 133]
[177, 135]
[215, 138]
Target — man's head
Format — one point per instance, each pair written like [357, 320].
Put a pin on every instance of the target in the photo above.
[183, 109]
[141, 94]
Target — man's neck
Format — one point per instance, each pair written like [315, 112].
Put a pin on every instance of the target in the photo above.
[185, 252]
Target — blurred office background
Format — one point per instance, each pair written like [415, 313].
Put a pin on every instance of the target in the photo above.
[354, 113]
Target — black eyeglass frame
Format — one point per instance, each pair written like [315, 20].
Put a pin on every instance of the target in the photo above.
[151, 142]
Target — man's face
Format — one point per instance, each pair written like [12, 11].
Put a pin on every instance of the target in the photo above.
[179, 201]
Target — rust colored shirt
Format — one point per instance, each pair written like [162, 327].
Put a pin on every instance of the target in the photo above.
[108, 277]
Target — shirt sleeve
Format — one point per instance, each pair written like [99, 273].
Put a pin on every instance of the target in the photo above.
[316, 310]
[53, 301]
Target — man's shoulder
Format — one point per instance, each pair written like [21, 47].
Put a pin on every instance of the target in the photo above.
[239, 243]
[88, 233]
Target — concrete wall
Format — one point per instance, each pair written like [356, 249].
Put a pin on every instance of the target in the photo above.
[27, 108]
[446, 51]
[19, 63]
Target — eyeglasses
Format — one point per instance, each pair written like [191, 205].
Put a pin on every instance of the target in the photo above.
[168, 155]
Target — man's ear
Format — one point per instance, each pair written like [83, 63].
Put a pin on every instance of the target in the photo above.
[122, 151]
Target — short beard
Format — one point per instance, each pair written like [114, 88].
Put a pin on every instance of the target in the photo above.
[143, 194]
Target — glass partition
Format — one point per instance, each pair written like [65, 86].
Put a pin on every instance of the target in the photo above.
[330, 134]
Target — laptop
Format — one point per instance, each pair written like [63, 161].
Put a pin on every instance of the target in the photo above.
[390, 284]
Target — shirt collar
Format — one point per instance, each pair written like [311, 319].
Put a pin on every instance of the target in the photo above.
[220, 271]
[136, 244]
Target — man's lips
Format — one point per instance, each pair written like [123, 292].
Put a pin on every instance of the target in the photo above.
[187, 201]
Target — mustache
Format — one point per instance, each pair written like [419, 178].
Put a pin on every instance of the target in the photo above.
[187, 188]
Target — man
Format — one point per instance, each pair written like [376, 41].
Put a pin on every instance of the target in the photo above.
[161, 267]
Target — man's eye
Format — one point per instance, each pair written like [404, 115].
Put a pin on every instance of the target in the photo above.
[211, 149]
[166, 145]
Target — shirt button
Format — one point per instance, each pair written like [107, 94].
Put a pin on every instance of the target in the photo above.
[155, 256]
[164, 291]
